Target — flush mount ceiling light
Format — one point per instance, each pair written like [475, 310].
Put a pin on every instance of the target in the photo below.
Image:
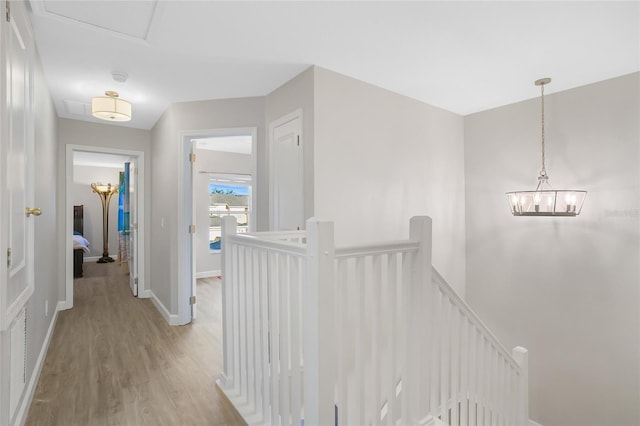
[110, 107]
[546, 201]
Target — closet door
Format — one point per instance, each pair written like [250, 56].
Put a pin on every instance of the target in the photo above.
[17, 212]
[287, 196]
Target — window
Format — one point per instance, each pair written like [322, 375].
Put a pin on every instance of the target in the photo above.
[228, 196]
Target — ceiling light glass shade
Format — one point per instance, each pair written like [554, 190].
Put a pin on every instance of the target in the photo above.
[546, 201]
[110, 107]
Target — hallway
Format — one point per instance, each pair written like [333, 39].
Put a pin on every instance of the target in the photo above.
[113, 360]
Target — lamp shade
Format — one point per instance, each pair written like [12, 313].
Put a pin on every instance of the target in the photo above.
[110, 107]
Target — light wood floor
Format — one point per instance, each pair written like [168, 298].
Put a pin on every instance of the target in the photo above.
[113, 360]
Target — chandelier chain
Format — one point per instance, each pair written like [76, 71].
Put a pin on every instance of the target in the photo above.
[543, 172]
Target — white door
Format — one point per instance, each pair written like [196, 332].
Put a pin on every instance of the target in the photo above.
[287, 208]
[133, 224]
[17, 212]
[194, 194]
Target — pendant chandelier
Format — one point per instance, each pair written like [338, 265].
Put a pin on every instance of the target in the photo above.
[110, 107]
[546, 201]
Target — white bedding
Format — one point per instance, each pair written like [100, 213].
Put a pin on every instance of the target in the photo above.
[79, 242]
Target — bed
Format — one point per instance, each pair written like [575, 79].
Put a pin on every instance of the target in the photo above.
[80, 244]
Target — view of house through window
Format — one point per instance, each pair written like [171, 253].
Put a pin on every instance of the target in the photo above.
[228, 197]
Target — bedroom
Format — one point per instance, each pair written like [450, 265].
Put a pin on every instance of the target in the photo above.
[104, 169]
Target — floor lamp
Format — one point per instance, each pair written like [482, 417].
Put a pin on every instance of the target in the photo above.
[105, 192]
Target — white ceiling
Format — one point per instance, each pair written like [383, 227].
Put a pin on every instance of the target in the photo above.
[461, 56]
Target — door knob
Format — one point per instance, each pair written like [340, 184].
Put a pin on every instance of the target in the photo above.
[35, 211]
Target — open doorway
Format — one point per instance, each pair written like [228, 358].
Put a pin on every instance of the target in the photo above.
[86, 165]
[222, 176]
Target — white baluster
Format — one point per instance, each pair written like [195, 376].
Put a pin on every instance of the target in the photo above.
[257, 336]
[455, 364]
[296, 344]
[283, 268]
[464, 371]
[489, 383]
[376, 338]
[343, 339]
[358, 403]
[274, 332]
[445, 356]
[482, 400]
[392, 378]
[250, 329]
[436, 359]
[265, 323]
[473, 374]
[242, 300]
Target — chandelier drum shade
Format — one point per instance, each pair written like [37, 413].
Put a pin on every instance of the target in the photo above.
[544, 200]
[110, 107]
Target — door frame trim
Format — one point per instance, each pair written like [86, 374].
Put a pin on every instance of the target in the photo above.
[186, 263]
[293, 115]
[143, 291]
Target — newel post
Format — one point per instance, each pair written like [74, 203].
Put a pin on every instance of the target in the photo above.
[419, 307]
[521, 355]
[318, 322]
[229, 228]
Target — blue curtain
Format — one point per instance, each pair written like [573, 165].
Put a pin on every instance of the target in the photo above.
[124, 214]
[121, 203]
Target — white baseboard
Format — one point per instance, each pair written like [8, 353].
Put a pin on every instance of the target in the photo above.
[532, 423]
[169, 317]
[63, 305]
[208, 274]
[21, 417]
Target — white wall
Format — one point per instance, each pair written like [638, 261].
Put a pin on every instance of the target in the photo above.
[83, 176]
[164, 210]
[76, 132]
[381, 158]
[208, 263]
[169, 237]
[565, 288]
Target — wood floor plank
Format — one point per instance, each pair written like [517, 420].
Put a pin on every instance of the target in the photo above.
[113, 360]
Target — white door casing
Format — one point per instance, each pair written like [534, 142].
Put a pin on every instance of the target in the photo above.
[138, 188]
[187, 214]
[133, 226]
[286, 173]
[194, 308]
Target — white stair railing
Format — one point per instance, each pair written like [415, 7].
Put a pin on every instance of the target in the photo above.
[474, 379]
[262, 348]
[357, 335]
